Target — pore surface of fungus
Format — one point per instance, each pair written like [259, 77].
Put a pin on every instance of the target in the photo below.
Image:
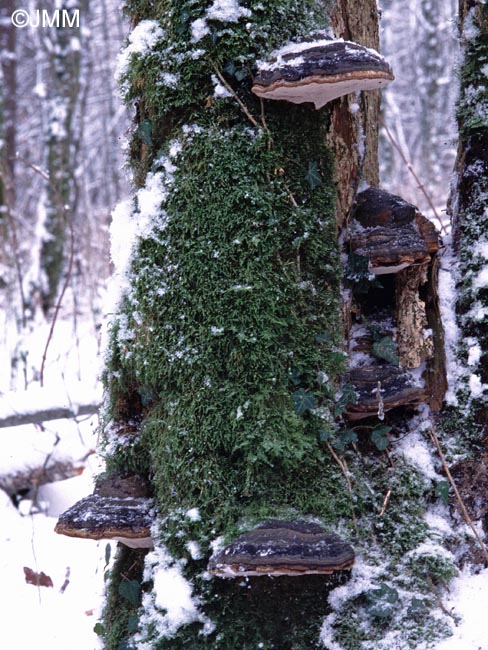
[320, 71]
[127, 520]
[283, 548]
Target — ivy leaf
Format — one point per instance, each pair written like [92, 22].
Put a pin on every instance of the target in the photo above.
[379, 437]
[230, 69]
[108, 552]
[381, 601]
[133, 623]
[442, 491]
[348, 396]
[358, 273]
[99, 629]
[325, 337]
[144, 132]
[241, 74]
[130, 590]
[417, 607]
[385, 349]
[324, 435]
[345, 438]
[303, 401]
[313, 175]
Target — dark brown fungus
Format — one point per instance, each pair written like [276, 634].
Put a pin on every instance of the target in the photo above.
[123, 519]
[283, 548]
[319, 71]
[390, 232]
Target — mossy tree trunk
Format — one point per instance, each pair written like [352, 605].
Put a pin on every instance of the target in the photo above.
[469, 411]
[225, 357]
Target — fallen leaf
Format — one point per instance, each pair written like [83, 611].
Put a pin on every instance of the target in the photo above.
[37, 579]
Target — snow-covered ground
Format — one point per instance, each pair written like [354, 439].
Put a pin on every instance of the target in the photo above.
[60, 614]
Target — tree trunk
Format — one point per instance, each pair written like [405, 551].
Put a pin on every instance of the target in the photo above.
[225, 368]
[469, 408]
[64, 48]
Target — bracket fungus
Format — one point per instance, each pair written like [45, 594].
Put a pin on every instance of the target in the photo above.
[396, 319]
[320, 71]
[380, 388]
[119, 510]
[283, 548]
[390, 232]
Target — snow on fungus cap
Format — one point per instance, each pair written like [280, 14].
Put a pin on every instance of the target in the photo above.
[123, 519]
[283, 548]
[321, 71]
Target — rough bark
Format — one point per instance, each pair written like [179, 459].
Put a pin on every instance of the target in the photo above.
[353, 135]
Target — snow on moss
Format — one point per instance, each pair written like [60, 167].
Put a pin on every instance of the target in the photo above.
[142, 39]
[224, 11]
[170, 604]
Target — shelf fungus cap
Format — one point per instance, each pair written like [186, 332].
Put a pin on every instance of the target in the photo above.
[390, 232]
[127, 520]
[283, 548]
[320, 71]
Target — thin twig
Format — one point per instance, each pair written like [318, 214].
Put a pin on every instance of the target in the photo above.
[465, 513]
[385, 502]
[234, 94]
[439, 599]
[410, 168]
[345, 471]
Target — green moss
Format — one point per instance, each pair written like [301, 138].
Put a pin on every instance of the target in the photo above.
[225, 358]
[120, 609]
[473, 102]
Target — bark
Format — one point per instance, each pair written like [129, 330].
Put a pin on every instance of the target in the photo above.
[8, 58]
[38, 417]
[61, 145]
[32, 478]
[353, 136]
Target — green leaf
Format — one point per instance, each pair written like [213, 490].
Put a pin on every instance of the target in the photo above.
[241, 74]
[325, 337]
[144, 132]
[303, 401]
[417, 607]
[381, 601]
[325, 436]
[357, 272]
[313, 175]
[348, 396]
[386, 349]
[379, 437]
[99, 629]
[130, 590]
[133, 623]
[108, 552]
[344, 438]
[442, 491]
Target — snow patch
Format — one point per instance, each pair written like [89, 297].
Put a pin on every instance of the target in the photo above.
[225, 11]
[193, 514]
[142, 39]
[467, 597]
[170, 604]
